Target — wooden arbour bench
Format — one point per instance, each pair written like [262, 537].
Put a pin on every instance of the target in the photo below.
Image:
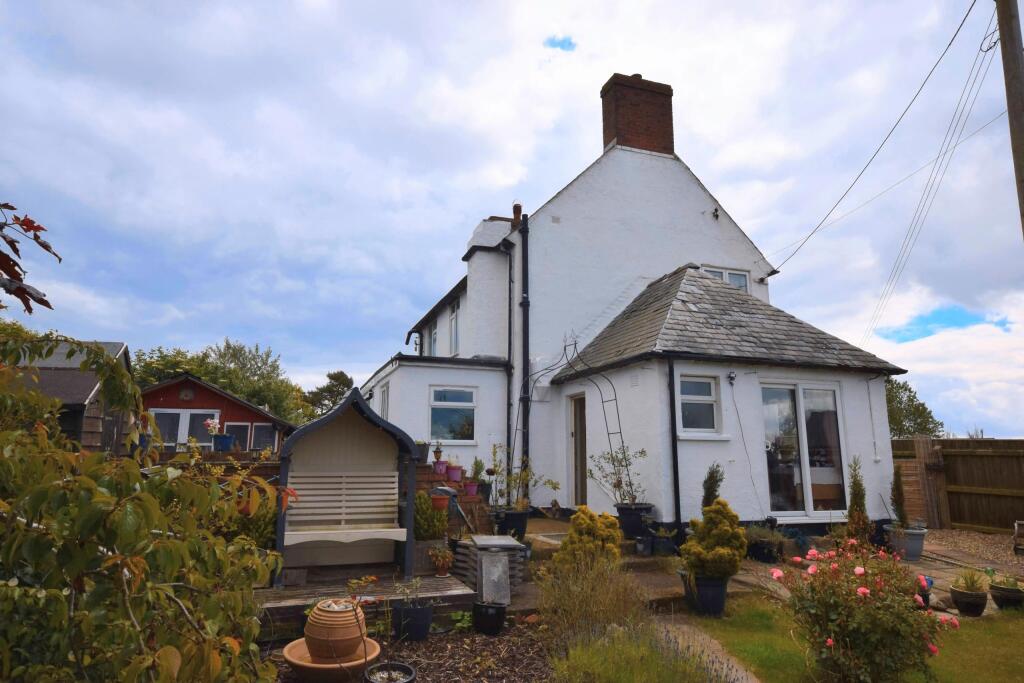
[353, 474]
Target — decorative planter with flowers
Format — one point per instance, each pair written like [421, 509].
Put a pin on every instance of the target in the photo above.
[442, 558]
[969, 592]
[441, 467]
[614, 472]
[221, 442]
[712, 555]
[454, 471]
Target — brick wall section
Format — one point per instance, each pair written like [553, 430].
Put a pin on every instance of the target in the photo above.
[474, 506]
[637, 113]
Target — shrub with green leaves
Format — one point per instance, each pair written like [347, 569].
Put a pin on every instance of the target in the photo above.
[860, 614]
[712, 483]
[109, 569]
[718, 543]
[899, 505]
[858, 524]
[428, 524]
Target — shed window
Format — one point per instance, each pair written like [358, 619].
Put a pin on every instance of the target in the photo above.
[239, 430]
[177, 425]
[452, 413]
[263, 436]
[698, 404]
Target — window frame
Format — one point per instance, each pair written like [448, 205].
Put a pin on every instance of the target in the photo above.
[252, 435]
[715, 400]
[726, 272]
[248, 427]
[453, 328]
[385, 392]
[183, 422]
[431, 404]
[799, 386]
[432, 338]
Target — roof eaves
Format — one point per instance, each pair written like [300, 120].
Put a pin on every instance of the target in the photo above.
[452, 294]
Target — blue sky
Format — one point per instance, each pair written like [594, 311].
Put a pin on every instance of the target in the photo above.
[306, 175]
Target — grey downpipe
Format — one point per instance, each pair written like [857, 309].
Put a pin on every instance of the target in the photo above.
[524, 304]
[508, 374]
[675, 439]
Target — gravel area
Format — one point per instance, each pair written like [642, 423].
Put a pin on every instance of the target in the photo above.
[994, 548]
[514, 656]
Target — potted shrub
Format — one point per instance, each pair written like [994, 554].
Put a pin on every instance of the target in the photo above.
[614, 472]
[429, 529]
[472, 483]
[511, 518]
[764, 544]
[904, 538]
[221, 442]
[712, 555]
[488, 618]
[412, 614]
[387, 670]
[442, 558]
[1005, 590]
[969, 592]
[454, 470]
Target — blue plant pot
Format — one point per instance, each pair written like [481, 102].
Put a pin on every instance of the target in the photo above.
[222, 442]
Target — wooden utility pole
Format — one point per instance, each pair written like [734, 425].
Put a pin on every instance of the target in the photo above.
[1013, 74]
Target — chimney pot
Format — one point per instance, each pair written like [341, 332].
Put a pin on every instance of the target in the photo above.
[637, 113]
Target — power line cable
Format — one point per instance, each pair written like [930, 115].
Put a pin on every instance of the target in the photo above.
[894, 185]
[954, 135]
[884, 140]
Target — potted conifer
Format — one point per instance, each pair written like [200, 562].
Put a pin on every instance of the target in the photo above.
[712, 555]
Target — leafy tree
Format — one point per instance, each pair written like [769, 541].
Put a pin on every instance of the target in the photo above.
[12, 274]
[908, 415]
[249, 372]
[328, 395]
[108, 567]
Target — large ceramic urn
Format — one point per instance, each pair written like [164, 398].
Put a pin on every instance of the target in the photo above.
[335, 629]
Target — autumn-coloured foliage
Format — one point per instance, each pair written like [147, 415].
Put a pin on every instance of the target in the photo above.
[718, 543]
[109, 568]
[860, 613]
[591, 537]
[12, 274]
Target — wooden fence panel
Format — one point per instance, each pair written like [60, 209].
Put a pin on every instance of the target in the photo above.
[964, 483]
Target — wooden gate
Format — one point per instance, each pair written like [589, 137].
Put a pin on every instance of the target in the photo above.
[963, 483]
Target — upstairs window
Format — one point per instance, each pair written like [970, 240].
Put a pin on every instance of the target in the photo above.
[431, 349]
[453, 327]
[698, 404]
[736, 278]
[452, 413]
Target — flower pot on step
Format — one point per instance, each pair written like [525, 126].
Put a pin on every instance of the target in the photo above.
[441, 467]
[631, 518]
[908, 542]
[454, 472]
[470, 488]
[439, 502]
[335, 629]
[485, 491]
[1007, 598]
[969, 603]
[664, 547]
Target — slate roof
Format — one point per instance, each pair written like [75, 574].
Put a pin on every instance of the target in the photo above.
[60, 377]
[692, 315]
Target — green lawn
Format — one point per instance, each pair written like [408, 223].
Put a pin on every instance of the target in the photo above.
[760, 634]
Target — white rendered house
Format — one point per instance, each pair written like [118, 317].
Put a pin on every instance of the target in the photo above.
[646, 319]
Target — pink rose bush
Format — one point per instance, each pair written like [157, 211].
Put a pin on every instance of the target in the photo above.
[861, 619]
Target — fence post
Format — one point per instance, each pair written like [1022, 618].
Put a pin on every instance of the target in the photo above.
[932, 472]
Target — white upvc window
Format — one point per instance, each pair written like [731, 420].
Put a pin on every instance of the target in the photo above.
[264, 436]
[453, 414]
[239, 430]
[431, 349]
[384, 400]
[737, 278]
[453, 327]
[176, 425]
[699, 406]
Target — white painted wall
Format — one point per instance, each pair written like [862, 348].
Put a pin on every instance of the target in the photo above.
[409, 385]
[739, 447]
[485, 309]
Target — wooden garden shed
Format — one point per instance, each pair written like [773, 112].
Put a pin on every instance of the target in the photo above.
[354, 475]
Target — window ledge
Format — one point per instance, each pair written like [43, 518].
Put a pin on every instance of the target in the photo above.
[703, 436]
[456, 443]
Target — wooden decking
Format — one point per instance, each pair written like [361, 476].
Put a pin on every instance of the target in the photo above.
[284, 609]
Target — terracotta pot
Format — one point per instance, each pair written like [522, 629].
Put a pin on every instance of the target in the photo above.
[439, 502]
[333, 634]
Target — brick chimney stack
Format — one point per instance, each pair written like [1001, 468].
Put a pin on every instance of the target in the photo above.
[637, 113]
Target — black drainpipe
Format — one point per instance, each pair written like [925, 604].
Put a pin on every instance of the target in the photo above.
[524, 304]
[675, 439]
[508, 371]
